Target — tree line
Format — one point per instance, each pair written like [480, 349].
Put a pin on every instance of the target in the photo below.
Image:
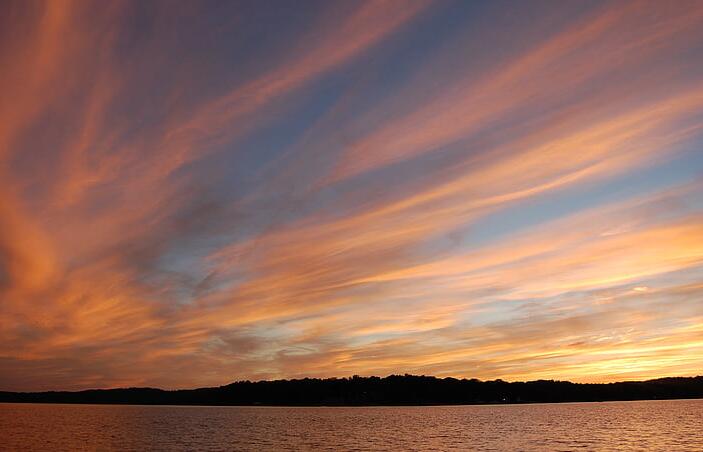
[390, 390]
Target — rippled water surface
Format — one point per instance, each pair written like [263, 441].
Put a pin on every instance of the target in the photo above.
[615, 426]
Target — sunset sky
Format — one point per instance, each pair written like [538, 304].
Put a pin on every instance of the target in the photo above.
[193, 193]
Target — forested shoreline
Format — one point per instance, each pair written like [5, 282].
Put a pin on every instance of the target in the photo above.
[390, 390]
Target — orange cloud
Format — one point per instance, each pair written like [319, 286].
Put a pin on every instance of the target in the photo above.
[617, 35]
[130, 256]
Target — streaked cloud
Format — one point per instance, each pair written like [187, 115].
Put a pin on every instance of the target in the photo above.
[194, 194]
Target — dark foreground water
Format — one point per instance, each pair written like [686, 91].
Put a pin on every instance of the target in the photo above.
[614, 426]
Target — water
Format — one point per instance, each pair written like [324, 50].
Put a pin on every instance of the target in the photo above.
[612, 426]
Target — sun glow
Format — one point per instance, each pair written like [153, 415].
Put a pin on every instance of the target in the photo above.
[193, 196]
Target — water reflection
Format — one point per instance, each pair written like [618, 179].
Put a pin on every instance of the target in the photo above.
[614, 426]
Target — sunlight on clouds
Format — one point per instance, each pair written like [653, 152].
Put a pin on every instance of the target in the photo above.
[192, 195]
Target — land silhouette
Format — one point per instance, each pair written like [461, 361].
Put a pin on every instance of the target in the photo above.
[390, 390]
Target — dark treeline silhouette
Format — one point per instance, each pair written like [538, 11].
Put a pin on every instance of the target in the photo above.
[391, 390]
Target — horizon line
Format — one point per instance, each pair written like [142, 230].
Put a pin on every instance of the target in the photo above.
[350, 378]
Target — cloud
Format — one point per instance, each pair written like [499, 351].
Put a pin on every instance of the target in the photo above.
[181, 209]
[562, 64]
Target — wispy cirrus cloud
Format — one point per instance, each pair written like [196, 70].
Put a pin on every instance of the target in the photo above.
[201, 193]
[469, 105]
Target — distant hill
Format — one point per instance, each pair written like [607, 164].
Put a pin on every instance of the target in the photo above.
[391, 390]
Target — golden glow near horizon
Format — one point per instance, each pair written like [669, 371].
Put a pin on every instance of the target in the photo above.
[194, 194]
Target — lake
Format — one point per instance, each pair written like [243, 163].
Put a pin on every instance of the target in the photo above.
[609, 426]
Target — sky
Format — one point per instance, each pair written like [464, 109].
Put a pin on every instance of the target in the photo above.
[193, 193]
